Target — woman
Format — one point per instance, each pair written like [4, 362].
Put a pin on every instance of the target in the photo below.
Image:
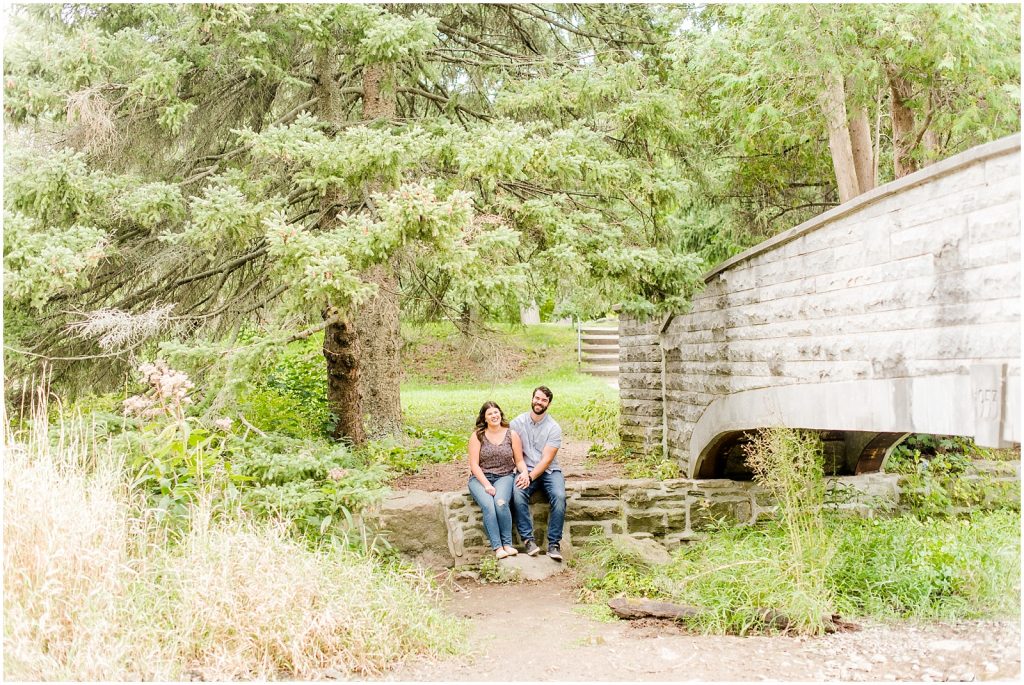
[495, 456]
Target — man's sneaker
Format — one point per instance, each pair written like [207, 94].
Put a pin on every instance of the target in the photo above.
[531, 548]
[554, 552]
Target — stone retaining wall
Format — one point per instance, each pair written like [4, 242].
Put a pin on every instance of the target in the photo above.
[444, 529]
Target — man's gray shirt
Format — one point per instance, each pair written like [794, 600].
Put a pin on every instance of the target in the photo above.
[536, 436]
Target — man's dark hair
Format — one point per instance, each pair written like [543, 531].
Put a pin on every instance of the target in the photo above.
[544, 389]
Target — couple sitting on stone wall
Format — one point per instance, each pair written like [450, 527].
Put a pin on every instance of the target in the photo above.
[507, 464]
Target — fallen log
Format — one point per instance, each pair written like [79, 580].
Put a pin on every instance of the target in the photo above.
[628, 607]
[632, 608]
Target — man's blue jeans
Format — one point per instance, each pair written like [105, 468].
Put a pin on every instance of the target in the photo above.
[496, 510]
[553, 484]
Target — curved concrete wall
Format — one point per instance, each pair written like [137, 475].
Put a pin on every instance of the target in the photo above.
[898, 311]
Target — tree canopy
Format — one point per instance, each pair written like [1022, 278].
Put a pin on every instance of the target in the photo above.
[220, 178]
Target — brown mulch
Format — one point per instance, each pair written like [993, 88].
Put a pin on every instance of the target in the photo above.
[453, 476]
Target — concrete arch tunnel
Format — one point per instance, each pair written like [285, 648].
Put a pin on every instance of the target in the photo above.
[897, 312]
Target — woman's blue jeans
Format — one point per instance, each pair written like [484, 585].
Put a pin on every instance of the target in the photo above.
[496, 509]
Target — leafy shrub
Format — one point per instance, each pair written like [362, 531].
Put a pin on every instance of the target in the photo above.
[599, 420]
[176, 461]
[419, 448]
[270, 410]
[653, 464]
[290, 396]
[883, 568]
[929, 446]
[948, 568]
[936, 470]
[314, 485]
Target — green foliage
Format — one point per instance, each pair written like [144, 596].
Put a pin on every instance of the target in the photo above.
[908, 568]
[807, 563]
[177, 460]
[290, 395]
[738, 572]
[492, 572]
[40, 263]
[599, 421]
[611, 571]
[652, 464]
[882, 568]
[961, 449]
[312, 484]
[419, 448]
[789, 465]
[937, 476]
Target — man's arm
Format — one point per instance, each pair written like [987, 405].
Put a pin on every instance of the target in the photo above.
[546, 458]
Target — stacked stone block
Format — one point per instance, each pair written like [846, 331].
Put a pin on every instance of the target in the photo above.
[444, 529]
[640, 386]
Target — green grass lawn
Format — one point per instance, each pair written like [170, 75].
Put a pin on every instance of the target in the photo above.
[440, 353]
[454, 407]
[448, 377]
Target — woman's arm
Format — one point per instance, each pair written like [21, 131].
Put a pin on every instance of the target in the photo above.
[474, 464]
[523, 475]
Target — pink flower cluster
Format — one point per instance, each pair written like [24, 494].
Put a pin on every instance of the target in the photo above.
[224, 423]
[167, 394]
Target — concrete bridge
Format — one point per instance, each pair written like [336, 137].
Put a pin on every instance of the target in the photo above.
[897, 312]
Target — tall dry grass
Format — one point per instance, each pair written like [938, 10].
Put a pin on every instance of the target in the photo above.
[94, 589]
[788, 464]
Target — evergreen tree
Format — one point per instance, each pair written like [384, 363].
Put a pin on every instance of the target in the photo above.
[191, 173]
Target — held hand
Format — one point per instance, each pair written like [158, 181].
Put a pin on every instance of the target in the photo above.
[522, 481]
[489, 489]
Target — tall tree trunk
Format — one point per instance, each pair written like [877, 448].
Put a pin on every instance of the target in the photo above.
[903, 138]
[860, 140]
[343, 355]
[342, 351]
[833, 105]
[377, 320]
[362, 350]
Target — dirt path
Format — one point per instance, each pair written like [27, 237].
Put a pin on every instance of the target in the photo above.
[534, 632]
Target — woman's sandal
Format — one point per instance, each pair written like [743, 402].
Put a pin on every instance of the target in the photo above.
[500, 553]
[510, 550]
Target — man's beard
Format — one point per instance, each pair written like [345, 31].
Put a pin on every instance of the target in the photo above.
[540, 411]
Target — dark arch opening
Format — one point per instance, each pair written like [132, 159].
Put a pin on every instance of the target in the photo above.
[846, 453]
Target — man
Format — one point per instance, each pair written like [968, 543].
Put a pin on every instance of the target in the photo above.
[541, 436]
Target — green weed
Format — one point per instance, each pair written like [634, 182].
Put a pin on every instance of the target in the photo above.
[946, 568]
[599, 421]
[884, 569]
[938, 478]
[492, 572]
[789, 465]
[653, 464]
[418, 448]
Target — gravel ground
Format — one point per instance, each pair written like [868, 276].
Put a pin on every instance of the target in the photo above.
[537, 632]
